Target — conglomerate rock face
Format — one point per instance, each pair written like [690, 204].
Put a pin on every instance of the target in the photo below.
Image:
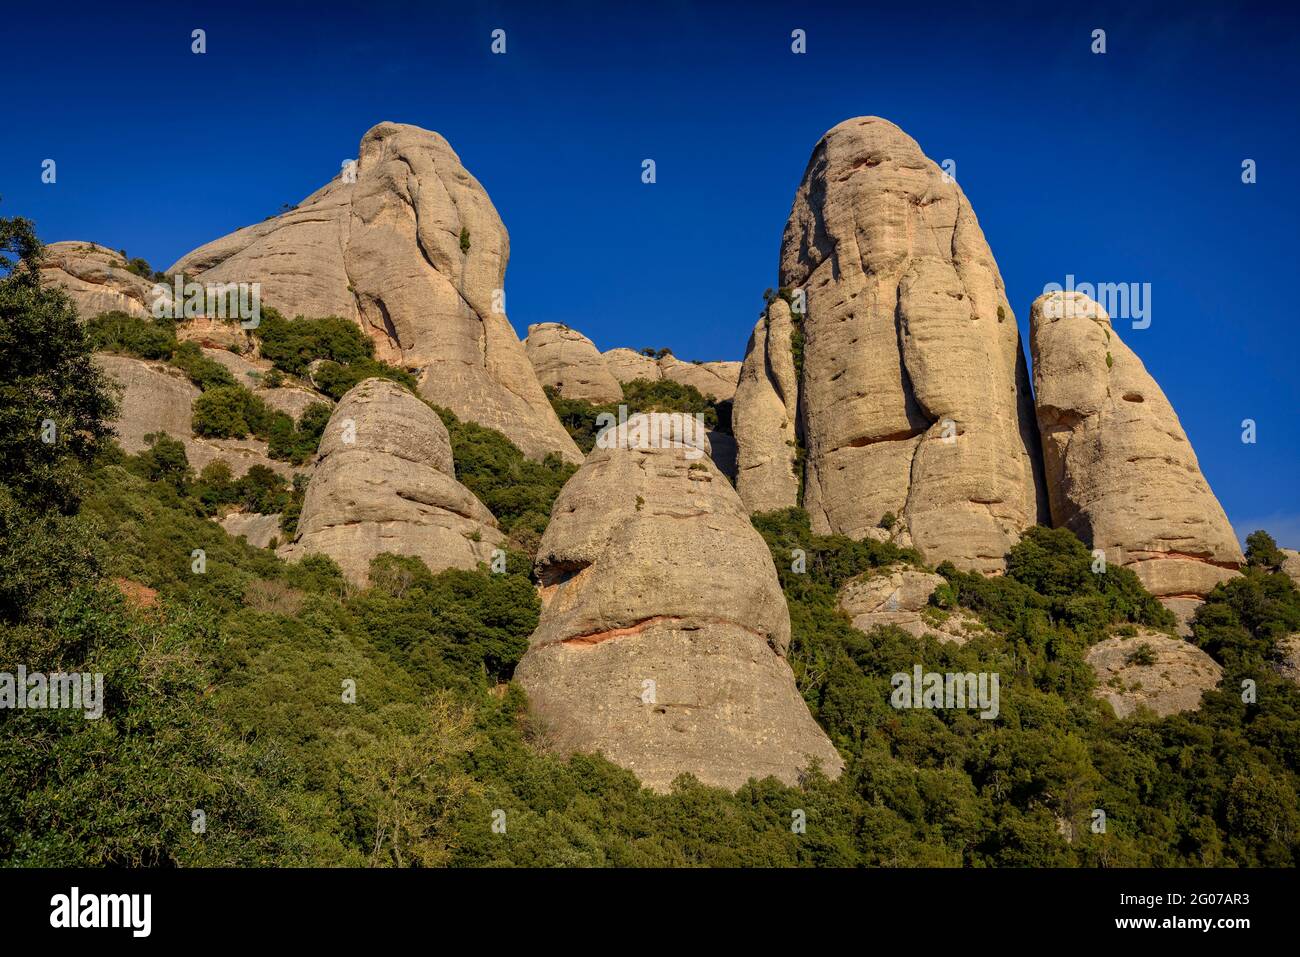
[96, 278]
[664, 629]
[1120, 472]
[714, 379]
[385, 482]
[913, 396]
[765, 416]
[1153, 671]
[155, 397]
[570, 363]
[414, 251]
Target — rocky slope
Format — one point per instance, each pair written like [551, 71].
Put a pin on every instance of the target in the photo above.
[157, 397]
[664, 629]
[385, 482]
[1153, 671]
[900, 596]
[913, 395]
[96, 279]
[1120, 472]
[414, 252]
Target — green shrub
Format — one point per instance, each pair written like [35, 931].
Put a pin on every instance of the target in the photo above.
[121, 333]
[291, 345]
[203, 372]
[335, 380]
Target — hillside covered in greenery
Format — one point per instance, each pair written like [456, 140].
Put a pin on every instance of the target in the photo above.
[314, 723]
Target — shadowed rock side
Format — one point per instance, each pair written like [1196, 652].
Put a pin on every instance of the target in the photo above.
[716, 379]
[385, 482]
[664, 630]
[414, 252]
[570, 363]
[1120, 471]
[1165, 675]
[157, 397]
[914, 393]
[764, 416]
[96, 279]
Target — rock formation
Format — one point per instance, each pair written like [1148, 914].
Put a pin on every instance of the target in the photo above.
[900, 596]
[96, 279]
[157, 397]
[385, 482]
[715, 379]
[765, 416]
[288, 398]
[913, 395]
[1120, 472]
[1151, 670]
[570, 363]
[1287, 658]
[414, 252]
[257, 529]
[1291, 565]
[664, 629]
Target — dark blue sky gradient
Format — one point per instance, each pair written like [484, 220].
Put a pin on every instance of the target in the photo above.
[1122, 168]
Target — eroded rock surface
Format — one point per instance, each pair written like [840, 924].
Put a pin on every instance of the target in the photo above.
[157, 397]
[96, 279]
[385, 482]
[664, 628]
[570, 363]
[1120, 472]
[914, 392]
[1154, 671]
[900, 596]
[257, 529]
[414, 252]
[715, 379]
[765, 416]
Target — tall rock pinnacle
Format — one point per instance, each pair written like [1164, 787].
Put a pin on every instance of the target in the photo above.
[664, 630]
[414, 252]
[1121, 473]
[913, 395]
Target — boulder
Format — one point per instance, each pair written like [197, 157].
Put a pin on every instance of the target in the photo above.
[714, 379]
[765, 416]
[1291, 565]
[96, 279]
[1121, 473]
[415, 253]
[914, 394]
[900, 596]
[664, 630]
[385, 482]
[570, 363]
[157, 397]
[258, 530]
[1167, 677]
[1287, 662]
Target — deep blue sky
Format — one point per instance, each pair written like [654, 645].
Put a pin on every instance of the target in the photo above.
[1123, 167]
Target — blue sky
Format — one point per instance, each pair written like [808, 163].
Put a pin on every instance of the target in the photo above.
[1122, 167]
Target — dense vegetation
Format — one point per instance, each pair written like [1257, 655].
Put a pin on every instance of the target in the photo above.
[641, 395]
[314, 723]
[518, 490]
